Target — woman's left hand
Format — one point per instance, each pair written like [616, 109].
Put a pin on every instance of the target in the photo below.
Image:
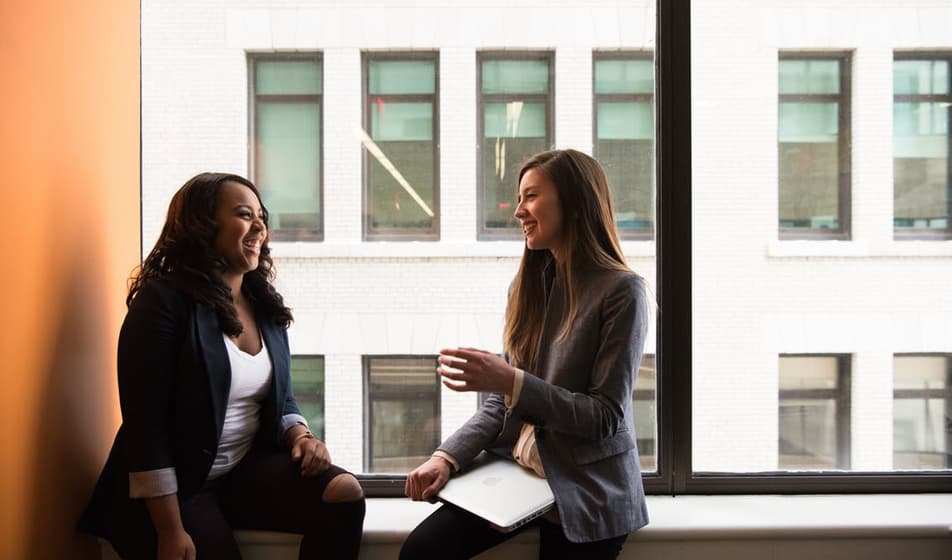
[478, 371]
[312, 454]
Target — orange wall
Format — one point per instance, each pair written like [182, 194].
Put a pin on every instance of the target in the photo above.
[69, 169]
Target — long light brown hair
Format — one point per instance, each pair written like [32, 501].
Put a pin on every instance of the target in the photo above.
[588, 240]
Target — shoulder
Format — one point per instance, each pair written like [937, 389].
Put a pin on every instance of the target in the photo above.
[623, 284]
[160, 294]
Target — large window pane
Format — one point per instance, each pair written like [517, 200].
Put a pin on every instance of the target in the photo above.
[404, 412]
[922, 183]
[287, 144]
[515, 104]
[818, 143]
[400, 148]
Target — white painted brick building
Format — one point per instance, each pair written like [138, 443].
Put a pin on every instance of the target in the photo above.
[755, 297]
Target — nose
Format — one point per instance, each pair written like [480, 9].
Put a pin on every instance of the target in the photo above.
[520, 211]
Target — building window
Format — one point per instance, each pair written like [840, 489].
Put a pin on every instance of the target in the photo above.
[624, 136]
[814, 431]
[403, 412]
[307, 382]
[922, 177]
[286, 143]
[515, 122]
[645, 409]
[401, 146]
[814, 144]
[922, 412]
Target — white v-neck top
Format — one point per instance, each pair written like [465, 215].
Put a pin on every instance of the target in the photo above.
[250, 381]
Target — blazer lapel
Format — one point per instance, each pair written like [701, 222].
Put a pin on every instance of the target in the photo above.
[217, 366]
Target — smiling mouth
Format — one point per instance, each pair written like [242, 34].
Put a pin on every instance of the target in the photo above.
[527, 229]
[252, 244]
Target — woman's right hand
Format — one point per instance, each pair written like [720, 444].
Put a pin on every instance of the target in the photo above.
[425, 481]
[175, 545]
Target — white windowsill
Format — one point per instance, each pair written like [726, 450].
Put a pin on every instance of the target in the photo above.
[389, 520]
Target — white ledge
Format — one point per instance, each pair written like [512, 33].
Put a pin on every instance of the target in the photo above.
[874, 516]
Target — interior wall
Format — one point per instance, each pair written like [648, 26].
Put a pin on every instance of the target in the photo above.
[69, 157]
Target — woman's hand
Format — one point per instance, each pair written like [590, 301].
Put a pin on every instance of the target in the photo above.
[312, 454]
[175, 545]
[478, 371]
[425, 481]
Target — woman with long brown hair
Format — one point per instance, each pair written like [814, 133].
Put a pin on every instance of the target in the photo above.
[211, 436]
[561, 402]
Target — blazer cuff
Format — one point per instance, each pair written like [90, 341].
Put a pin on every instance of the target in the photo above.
[517, 379]
[288, 421]
[449, 458]
[149, 484]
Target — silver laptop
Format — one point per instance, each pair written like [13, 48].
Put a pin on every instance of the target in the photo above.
[500, 491]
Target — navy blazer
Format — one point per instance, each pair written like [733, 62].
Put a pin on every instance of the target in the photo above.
[174, 379]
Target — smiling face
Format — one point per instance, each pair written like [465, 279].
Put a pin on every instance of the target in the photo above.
[241, 228]
[539, 211]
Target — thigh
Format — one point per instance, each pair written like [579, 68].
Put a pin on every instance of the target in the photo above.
[134, 536]
[266, 491]
[453, 534]
[553, 545]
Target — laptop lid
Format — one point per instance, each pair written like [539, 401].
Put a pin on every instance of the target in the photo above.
[500, 491]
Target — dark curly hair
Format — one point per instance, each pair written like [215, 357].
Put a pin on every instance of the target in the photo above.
[185, 257]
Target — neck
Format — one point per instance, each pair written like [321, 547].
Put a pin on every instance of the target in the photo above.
[233, 281]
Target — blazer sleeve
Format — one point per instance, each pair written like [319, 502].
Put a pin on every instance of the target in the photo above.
[479, 432]
[290, 414]
[150, 342]
[599, 412]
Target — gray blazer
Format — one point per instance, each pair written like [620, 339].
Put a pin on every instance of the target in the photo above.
[580, 401]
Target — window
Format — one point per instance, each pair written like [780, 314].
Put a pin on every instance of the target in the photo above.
[403, 412]
[645, 410]
[814, 140]
[922, 89]
[401, 139]
[515, 122]
[922, 411]
[307, 382]
[286, 142]
[814, 413]
[624, 136]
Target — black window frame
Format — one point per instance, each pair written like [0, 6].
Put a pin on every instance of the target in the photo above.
[928, 234]
[627, 234]
[674, 352]
[370, 233]
[844, 143]
[484, 233]
[315, 234]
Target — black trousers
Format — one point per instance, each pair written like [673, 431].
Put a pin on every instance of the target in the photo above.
[265, 491]
[454, 534]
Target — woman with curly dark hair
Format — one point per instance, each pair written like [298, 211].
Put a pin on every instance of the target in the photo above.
[211, 437]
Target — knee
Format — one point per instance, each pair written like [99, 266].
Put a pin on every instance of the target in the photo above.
[343, 488]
